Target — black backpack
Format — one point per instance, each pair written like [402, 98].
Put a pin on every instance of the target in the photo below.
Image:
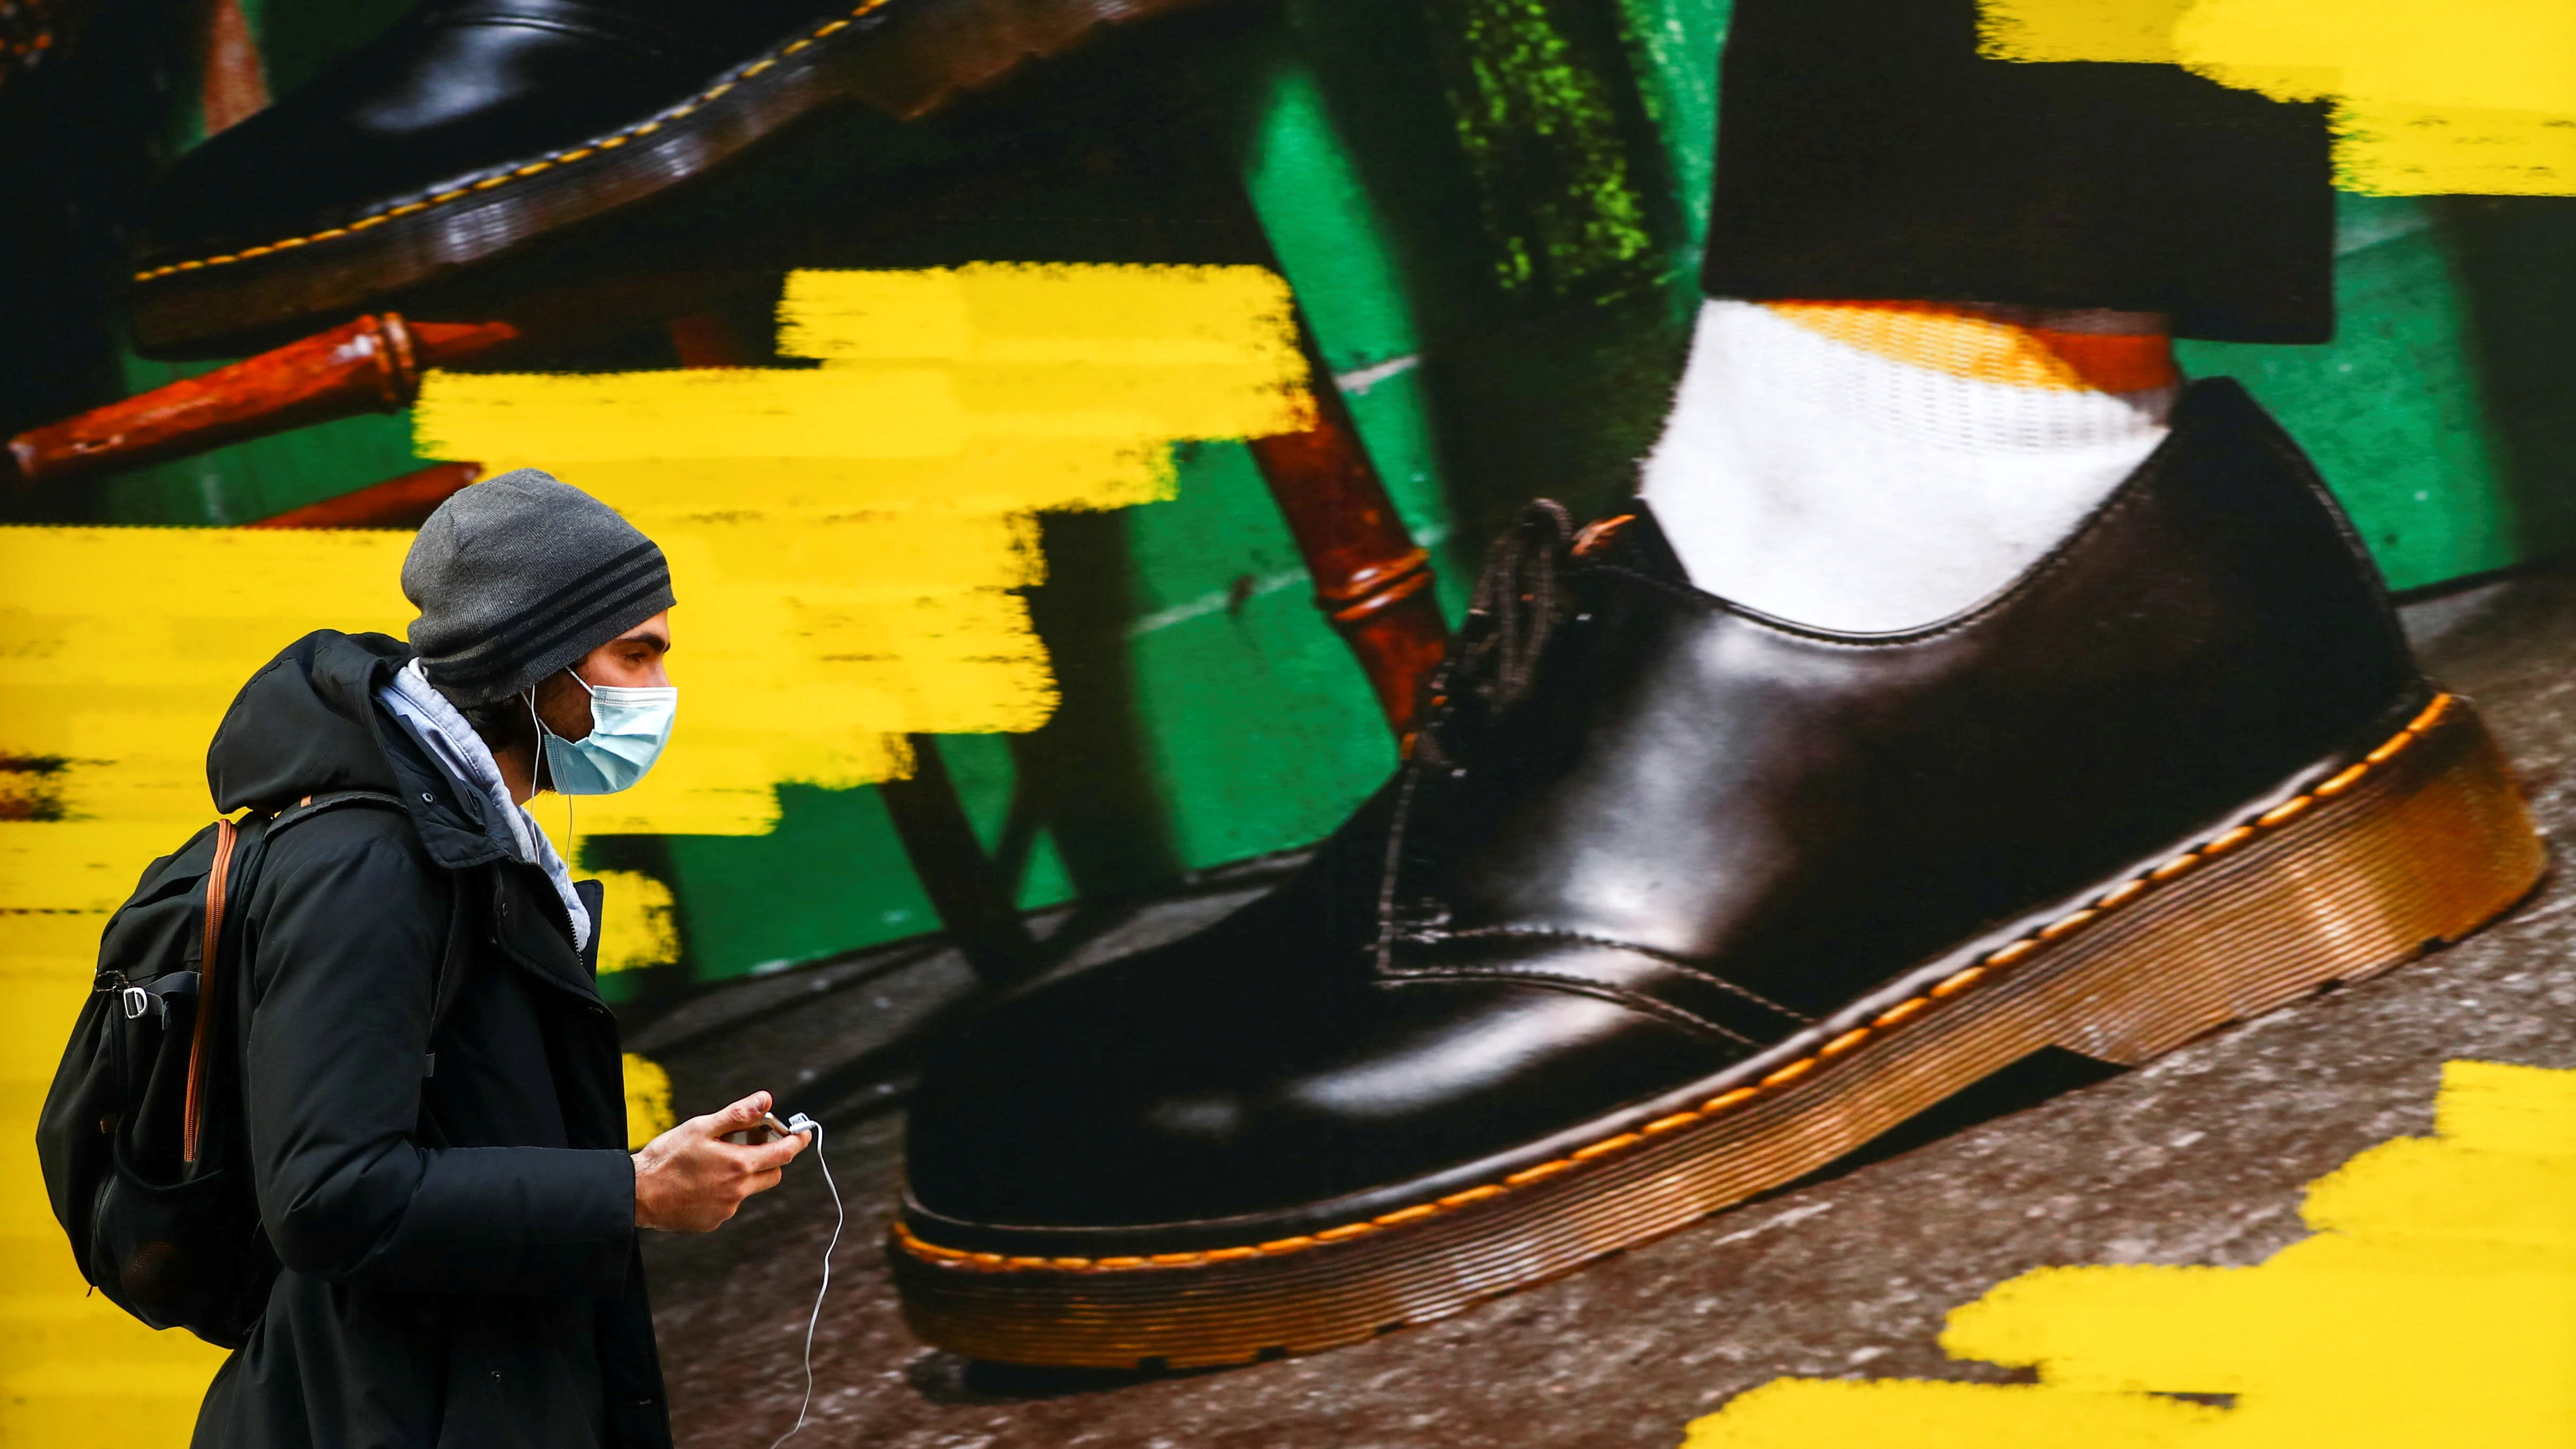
[142, 1140]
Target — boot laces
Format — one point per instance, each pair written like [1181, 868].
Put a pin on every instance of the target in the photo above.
[1516, 606]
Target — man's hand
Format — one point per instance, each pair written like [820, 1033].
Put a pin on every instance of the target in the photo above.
[690, 1180]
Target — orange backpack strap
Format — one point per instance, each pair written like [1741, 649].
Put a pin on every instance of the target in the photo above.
[201, 1044]
[211, 1015]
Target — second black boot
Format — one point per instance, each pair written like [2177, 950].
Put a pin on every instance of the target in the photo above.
[1675, 902]
[475, 126]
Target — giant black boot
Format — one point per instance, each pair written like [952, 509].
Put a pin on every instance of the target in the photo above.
[1674, 902]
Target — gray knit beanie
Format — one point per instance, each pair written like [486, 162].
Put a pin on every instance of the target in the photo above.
[517, 577]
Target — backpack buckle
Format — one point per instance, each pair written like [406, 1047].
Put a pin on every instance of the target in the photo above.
[137, 1001]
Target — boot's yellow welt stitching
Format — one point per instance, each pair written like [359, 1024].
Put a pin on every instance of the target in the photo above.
[2229, 841]
[1948, 986]
[1897, 1014]
[646, 128]
[2287, 810]
[2066, 924]
[1789, 1073]
[1607, 1146]
[2174, 867]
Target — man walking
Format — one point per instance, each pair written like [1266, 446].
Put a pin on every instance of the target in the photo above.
[448, 1191]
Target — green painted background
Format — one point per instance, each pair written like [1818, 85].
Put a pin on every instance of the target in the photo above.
[1490, 210]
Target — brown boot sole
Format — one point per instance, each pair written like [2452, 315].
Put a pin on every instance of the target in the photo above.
[910, 59]
[2366, 864]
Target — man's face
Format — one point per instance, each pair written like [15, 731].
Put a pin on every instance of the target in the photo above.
[632, 660]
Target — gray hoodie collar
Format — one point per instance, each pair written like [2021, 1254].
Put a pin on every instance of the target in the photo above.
[459, 751]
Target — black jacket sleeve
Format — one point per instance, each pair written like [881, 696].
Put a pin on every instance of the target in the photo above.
[348, 922]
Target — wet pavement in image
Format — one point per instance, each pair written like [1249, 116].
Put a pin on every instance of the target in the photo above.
[2201, 1157]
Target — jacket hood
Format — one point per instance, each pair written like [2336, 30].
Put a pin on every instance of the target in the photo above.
[307, 724]
[303, 725]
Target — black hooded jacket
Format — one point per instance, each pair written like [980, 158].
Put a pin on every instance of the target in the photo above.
[455, 1215]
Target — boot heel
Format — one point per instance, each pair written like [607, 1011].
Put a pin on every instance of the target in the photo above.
[2410, 848]
[929, 57]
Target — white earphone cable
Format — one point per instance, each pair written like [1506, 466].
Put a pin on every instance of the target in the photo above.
[840, 1216]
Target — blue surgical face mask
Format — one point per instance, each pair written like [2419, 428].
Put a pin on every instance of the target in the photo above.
[628, 728]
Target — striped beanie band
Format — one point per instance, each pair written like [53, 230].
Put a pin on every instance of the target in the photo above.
[517, 577]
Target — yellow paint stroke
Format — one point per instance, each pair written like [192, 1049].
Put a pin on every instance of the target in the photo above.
[74, 1370]
[845, 539]
[636, 929]
[648, 1101]
[120, 649]
[2435, 1305]
[2476, 96]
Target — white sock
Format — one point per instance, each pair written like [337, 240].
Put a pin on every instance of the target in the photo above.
[1876, 466]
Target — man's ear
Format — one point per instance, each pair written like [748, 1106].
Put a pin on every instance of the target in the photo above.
[503, 724]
